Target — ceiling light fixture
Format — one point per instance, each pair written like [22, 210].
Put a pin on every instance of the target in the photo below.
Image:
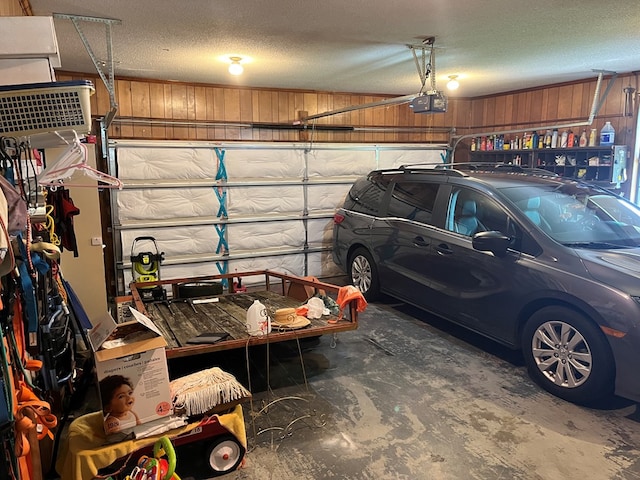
[453, 84]
[236, 68]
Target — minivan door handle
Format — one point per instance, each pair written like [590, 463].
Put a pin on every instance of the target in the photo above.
[443, 249]
[420, 242]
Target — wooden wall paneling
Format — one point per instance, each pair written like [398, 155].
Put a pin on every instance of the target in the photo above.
[587, 99]
[283, 114]
[11, 8]
[310, 104]
[390, 120]
[577, 111]
[141, 108]
[402, 112]
[500, 111]
[248, 113]
[553, 95]
[378, 116]
[179, 109]
[367, 118]
[509, 112]
[220, 133]
[489, 109]
[353, 117]
[123, 95]
[565, 101]
[232, 112]
[157, 109]
[200, 109]
[209, 98]
[191, 110]
[174, 101]
[476, 115]
[266, 107]
[535, 111]
[168, 111]
[524, 108]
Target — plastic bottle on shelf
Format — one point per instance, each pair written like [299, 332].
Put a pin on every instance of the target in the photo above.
[570, 139]
[593, 136]
[564, 139]
[607, 134]
[258, 321]
[554, 138]
[473, 144]
[583, 139]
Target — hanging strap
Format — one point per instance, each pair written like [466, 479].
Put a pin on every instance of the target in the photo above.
[28, 290]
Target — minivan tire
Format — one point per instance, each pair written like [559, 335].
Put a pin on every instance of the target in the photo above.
[363, 274]
[557, 336]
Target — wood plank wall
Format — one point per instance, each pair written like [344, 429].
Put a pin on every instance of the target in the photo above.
[14, 8]
[232, 110]
[555, 104]
[223, 113]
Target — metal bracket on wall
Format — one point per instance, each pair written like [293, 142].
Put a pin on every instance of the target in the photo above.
[108, 78]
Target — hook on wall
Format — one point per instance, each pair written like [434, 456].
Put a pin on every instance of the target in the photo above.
[628, 101]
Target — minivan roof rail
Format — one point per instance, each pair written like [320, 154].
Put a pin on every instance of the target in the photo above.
[433, 169]
[460, 167]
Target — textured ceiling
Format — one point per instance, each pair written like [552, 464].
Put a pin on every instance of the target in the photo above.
[357, 46]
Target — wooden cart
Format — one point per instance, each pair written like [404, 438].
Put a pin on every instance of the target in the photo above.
[180, 318]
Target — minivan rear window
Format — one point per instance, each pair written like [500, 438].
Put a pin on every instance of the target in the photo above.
[366, 194]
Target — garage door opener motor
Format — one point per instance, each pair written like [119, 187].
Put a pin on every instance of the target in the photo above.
[145, 267]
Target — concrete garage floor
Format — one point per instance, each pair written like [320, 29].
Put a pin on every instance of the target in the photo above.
[407, 396]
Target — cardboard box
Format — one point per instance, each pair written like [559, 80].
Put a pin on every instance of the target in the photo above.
[131, 367]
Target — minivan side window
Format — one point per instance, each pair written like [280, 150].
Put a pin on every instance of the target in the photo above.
[470, 212]
[413, 201]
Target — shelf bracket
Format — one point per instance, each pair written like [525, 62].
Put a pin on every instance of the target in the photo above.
[108, 77]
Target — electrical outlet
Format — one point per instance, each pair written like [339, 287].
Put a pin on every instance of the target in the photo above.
[96, 241]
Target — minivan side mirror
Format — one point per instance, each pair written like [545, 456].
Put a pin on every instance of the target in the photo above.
[493, 241]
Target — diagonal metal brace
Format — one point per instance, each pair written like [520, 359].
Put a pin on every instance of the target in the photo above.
[109, 82]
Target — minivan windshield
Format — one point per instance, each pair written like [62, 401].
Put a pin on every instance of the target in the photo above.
[579, 215]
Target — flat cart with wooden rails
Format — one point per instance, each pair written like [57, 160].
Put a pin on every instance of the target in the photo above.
[183, 318]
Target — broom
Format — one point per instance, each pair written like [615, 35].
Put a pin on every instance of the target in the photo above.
[204, 391]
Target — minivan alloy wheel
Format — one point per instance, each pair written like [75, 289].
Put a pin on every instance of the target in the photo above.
[562, 354]
[363, 273]
[568, 355]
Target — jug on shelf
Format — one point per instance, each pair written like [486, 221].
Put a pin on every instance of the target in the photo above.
[607, 134]
[258, 320]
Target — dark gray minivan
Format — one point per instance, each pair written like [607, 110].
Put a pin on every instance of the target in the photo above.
[534, 261]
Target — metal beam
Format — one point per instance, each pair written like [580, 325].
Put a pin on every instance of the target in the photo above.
[108, 78]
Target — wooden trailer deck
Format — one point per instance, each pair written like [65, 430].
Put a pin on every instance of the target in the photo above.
[180, 319]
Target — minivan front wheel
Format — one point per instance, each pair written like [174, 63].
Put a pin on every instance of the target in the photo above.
[363, 274]
[568, 355]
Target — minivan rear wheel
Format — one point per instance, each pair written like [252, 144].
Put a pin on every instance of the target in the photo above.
[568, 355]
[363, 274]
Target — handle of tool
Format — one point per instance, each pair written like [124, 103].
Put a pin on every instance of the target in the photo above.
[198, 301]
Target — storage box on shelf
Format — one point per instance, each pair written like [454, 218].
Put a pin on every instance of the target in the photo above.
[41, 110]
[595, 164]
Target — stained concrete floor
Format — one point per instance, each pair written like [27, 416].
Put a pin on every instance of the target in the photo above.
[407, 396]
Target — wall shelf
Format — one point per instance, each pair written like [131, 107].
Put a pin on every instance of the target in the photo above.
[603, 164]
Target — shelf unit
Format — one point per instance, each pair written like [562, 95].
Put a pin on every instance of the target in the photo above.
[601, 164]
